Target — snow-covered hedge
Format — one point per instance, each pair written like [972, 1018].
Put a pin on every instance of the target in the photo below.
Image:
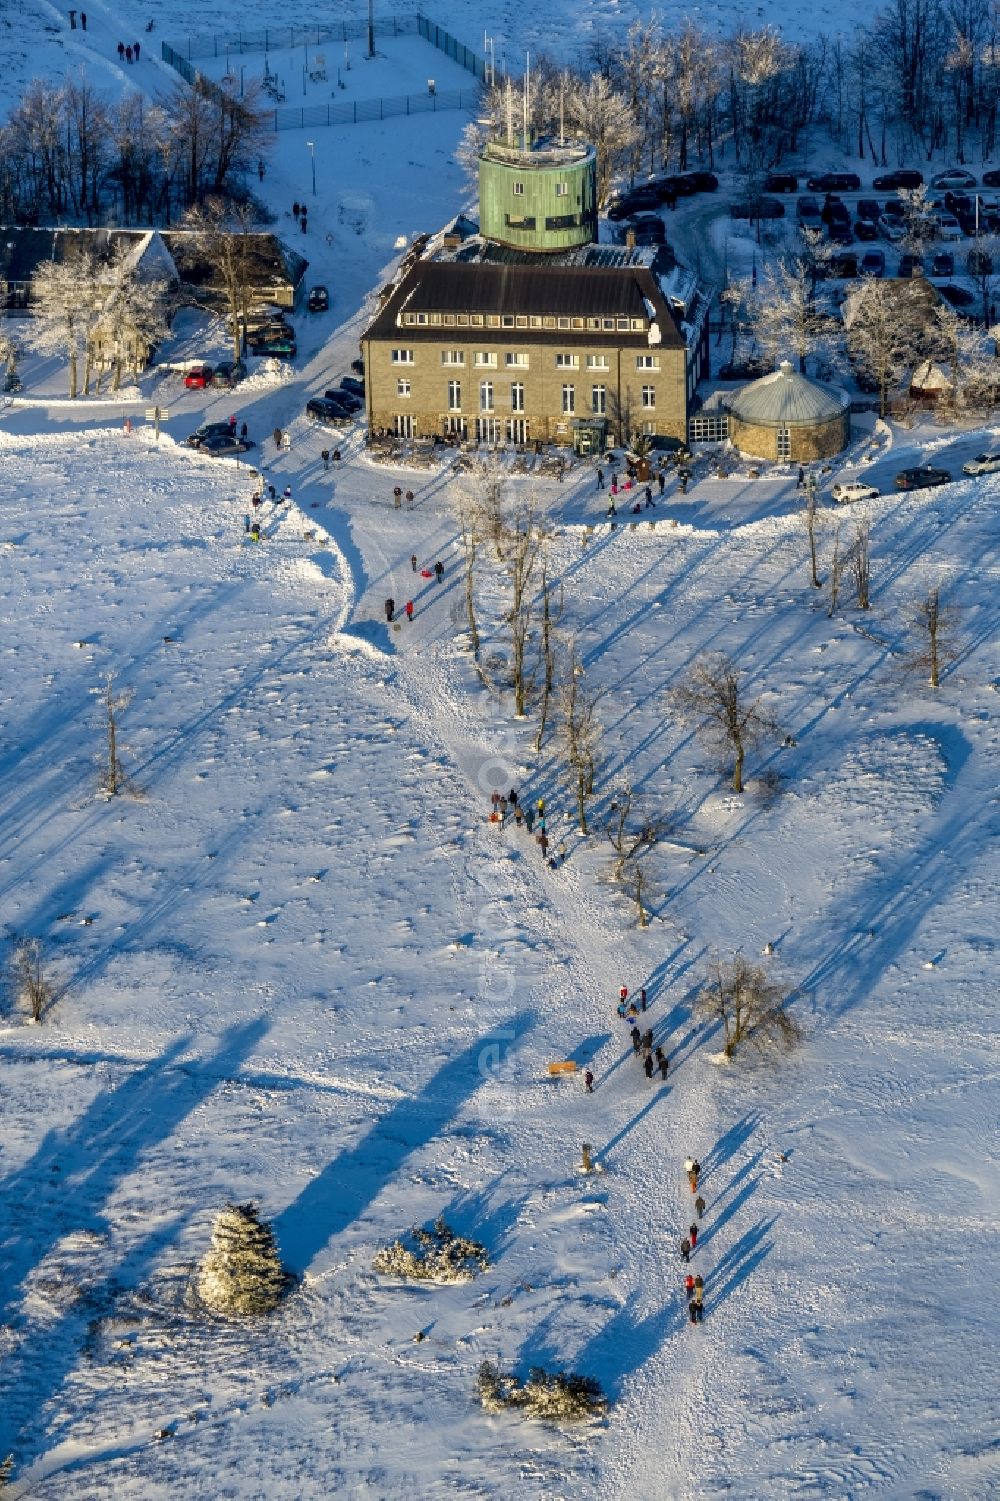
[439, 1256]
[551, 1396]
[242, 1272]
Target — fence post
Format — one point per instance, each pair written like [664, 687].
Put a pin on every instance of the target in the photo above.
[276, 122]
[328, 114]
[355, 112]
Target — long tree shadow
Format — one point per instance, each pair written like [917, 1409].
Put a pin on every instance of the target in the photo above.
[625, 1343]
[64, 1188]
[347, 1185]
[730, 1142]
[739, 1261]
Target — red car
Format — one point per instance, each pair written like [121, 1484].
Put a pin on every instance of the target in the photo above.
[198, 377]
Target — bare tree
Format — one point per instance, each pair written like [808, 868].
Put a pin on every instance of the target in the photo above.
[66, 298]
[9, 351]
[835, 575]
[634, 834]
[750, 1007]
[810, 517]
[135, 316]
[918, 218]
[936, 627]
[581, 733]
[879, 339]
[524, 543]
[550, 615]
[713, 697]
[226, 236]
[861, 561]
[603, 116]
[113, 777]
[31, 984]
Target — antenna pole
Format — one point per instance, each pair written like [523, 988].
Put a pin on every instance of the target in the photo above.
[527, 89]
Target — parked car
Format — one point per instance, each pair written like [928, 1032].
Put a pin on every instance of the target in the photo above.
[910, 264]
[921, 477]
[834, 182]
[221, 444]
[903, 177]
[319, 300]
[943, 264]
[635, 200]
[358, 366]
[198, 377]
[868, 209]
[349, 400]
[873, 263]
[893, 209]
[350, 384]
[781, 182]
[948, 227]
[991, 179]
[207, 430]
[983, 463]
[329, 413]
[281, 348]
[745, 369]
[865, 230]
[649, 229]
[841, 233]
[758, 208]
[891, 229]
[954, 177]
[959, 297]
[844, 265]
[807, 208]
[979, 263]
[229, 373]
[854, 490]
[701, 182]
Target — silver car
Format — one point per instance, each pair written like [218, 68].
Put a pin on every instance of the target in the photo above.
[983, 463]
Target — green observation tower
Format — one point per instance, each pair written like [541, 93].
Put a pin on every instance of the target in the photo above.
[542, 197]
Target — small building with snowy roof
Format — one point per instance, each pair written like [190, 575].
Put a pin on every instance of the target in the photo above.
[788, 418]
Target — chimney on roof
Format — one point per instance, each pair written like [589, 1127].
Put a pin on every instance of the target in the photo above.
[630, 237]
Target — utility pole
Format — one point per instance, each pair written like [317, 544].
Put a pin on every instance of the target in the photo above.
[371, 28]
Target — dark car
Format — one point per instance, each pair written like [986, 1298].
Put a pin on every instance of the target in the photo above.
[807, 208]
[979, 263]
[758, 208]
[349, 400]
[864, 229]
[834, 182]
[903, 178]
[358, 366]
[220, 444]
[229, 373]
[350, 384]
[319, 300]
[991, 179]
[697, 182]
[921, 477]
[329, 413]
[842, 265]
[781, 182]
[943, 264]
[634, 201]
[873, 263]
[957, 296]
[207, 430]
[834, 208]
[894, 210]
[841, 233]
[282, 348]
[648, 230]
[868, 209]
[198, 377]
[908, 264]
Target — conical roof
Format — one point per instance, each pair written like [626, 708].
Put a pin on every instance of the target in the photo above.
[785, 397]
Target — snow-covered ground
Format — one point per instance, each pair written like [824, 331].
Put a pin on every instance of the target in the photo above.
[302, 967]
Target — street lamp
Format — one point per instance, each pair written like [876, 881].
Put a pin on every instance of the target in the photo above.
[312, 158]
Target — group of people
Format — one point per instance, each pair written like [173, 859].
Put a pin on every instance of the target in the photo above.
[397, 497]
[653, 1059]
[438, 569]
[390, 610]
[300, 212]
[129, 54]
[694, 1286]
[529, 816]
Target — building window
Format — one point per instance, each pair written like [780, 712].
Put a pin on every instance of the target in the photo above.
[564, 323]
[638, 324]
[421, 317]
[623, 325]
[409, 317]
[452, 357]
[562, 189]
[591, 323]
[598, 362]
[569, 400]
[535, 321]
[521, 320]
[436, 318]
[402, 356]
[567, 361]
[577, 322]
[562, 221]
[486, 396]
[454, 396]
[403, 424]
[402, 388]
[517, 396]
[463, 319]
[710, 428]
[784, 443]
[609, 323]
[520, 221]
[477, 319]
[646, 362]
[598, 400]
[449, 318]
[649, 398]
[507, 320]
[484, 357]
[518, 189]
[517, 357]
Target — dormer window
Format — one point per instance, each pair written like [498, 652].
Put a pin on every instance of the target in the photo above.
[518, 189]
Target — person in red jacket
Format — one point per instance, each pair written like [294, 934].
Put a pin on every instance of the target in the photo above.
[409, 609]
[693, 1236]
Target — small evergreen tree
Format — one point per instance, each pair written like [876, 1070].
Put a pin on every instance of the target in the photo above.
[242, 1272]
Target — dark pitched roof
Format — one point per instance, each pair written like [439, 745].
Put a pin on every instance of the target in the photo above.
[22, 251]
[528, 287]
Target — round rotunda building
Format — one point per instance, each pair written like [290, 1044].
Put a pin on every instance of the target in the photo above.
[788, 419]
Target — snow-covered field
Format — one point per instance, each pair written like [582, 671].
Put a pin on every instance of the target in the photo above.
[302, 967]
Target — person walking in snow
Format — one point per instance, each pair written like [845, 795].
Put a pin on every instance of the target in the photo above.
[662, 1063]
[121, 52]
[685, 1250]
[661, 479]
[244, 432]
[544, 844]
[135, 50]
[600, 478]
[409, 609]
[694, 1312]
[529, 818]
[286, 494]
[276, 436]
[642, 998]
[128, 54]
[689, 1286]
[271, 493]
[693, 1174]
[324, 454]
[648, 1066]
[409, 500]
[438, 571]
[83, 19]
[413, 561]
[693, 1234]
[699, 1291]
[518, 814]
[588, 1080]
[612, 510]
[636, 1040]
[801, 480]
[699, 1207]
[397, 496]
[623, 993]
[390, 609]
[647, 1040]
[255, 532]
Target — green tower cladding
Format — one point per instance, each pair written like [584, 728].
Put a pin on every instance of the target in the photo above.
[540, 198]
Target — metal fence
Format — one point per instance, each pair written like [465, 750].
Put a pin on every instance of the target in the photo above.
[370, 109]
[446, 43]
